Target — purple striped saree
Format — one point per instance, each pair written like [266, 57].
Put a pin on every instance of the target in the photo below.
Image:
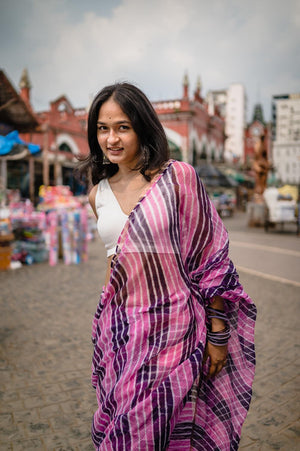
[149, 331]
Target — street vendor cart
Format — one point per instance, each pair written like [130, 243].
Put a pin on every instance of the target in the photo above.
[279, 209]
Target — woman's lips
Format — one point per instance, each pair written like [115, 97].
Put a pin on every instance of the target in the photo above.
[115, 151]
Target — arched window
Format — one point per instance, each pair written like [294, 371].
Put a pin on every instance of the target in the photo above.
[203, 155]
[194, 153]
[62, 107]
[65, 148]
[175, 151]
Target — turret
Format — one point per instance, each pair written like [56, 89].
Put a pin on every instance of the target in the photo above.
[258, 114]
[185, 86]
[25, 86]
[197, 92]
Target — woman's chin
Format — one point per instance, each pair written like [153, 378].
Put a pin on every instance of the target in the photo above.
[114, 159]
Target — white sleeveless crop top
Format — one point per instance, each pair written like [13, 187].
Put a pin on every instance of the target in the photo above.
[111, 218]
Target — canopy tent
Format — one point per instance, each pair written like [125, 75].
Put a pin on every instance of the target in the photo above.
[239, 177]
[14, 112]
[13, 145]
[214, 177]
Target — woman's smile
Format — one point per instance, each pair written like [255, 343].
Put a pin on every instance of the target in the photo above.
[115, 150]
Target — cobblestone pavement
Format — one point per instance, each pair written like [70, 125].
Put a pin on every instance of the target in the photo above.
[46, 397]
[273, 419]
[47, 401]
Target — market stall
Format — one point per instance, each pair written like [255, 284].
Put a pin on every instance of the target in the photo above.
[6, 239]
[67, 224]
[59, 228]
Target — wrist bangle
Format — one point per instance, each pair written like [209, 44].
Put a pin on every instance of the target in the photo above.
[216, 313]
[219, 338]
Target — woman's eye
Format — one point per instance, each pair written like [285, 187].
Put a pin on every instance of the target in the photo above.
[124, 127]
[101, 128]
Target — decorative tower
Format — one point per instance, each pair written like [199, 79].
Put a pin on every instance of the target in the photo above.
[258, 114]
[197, 92]
[185, 86]
[25, 86]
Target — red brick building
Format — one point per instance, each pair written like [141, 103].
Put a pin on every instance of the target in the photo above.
[194, 134]
[61, 134]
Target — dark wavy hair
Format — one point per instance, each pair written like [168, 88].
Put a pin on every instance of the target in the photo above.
[154, 149]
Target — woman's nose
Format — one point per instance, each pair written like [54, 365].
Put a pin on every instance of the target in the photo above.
[112, 137]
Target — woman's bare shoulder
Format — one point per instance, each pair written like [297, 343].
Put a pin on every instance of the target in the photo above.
[93, 192]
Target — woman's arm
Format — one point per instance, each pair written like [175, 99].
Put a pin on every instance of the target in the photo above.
[92, 199]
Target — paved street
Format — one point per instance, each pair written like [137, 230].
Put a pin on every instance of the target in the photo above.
[271, 267]
[46, 312]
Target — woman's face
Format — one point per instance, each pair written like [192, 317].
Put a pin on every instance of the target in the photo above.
[116, 137]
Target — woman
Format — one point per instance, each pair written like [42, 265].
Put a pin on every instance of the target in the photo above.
[173, 360]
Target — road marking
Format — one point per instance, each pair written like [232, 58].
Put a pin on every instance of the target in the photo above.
[277, 250]
[268, 276]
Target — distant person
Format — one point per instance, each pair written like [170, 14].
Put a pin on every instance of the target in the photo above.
[173, 333]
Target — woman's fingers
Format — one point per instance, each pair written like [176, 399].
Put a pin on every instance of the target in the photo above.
[217, 358]
[215, 367]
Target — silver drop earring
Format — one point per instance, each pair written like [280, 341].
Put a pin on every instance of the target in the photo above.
[105, 159]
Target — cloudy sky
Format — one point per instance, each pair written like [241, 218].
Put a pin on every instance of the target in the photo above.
[75, 47]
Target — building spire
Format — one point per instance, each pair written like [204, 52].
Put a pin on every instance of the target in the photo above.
[25, 86]
[198, 88]
[185, 86]
[24, 81]
[258, 114]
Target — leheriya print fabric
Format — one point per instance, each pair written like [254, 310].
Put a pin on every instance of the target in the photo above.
[149, 330]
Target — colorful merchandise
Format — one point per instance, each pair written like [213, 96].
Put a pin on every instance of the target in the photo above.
[28, 228]
[66, 237]
[53, 237]
[6, 238]
[76, 237]
[57, 197]
[84, 234]
[37, 233]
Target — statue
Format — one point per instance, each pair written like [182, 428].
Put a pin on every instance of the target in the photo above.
[261, 167]
[257, 208]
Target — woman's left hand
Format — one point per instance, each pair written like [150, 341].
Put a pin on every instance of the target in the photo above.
[217, 358]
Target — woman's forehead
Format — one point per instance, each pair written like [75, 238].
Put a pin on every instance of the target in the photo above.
[111, 110]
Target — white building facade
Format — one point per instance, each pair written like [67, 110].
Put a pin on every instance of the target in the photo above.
[286, 137]
[232, 105]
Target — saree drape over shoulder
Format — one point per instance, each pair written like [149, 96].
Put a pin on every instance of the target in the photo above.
[149, 331]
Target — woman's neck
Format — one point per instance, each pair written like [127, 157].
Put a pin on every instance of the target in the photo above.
[127, 175]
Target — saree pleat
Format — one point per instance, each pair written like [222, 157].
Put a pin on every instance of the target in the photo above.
[149, 330]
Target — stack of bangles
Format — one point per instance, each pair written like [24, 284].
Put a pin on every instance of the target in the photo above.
[221, 337]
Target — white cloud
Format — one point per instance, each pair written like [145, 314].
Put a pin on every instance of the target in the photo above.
[153, 43]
